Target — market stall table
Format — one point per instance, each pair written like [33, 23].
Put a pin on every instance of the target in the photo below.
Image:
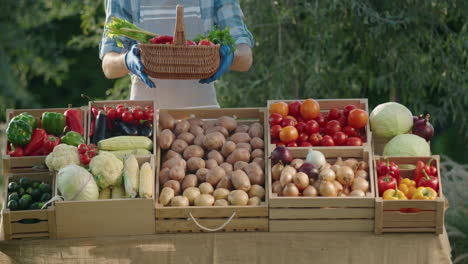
[250, 247]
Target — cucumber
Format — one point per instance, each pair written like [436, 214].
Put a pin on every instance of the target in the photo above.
[126, 143]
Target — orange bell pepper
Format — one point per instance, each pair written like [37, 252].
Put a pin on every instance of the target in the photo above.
[408, 187]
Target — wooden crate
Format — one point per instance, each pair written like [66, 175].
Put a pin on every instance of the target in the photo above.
[429, 214]
[325, 106]
[127, 103]
[30, 163]
[14, 226]
[324, 213]
[109, 217]
[230, 218]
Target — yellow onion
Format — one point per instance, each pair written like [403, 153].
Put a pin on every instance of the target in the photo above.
[345, 175]
[276, 171]
[301, 180]
[360, 184]
[290, 190]
[362, 174]
[327, 188]
[310, 191]
[327, 175]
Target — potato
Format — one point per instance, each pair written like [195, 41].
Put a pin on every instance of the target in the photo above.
[239, 165]
[254, 201]
[246, 146]
[197, 130]
[175, 185]
[204, 200]
[220, 129]
[181, 127]
[166, 121]
[199, 140]
[193, 151]
[180, 201]
[242, 128]
[166, 196]
[175, 162]
[195, 163]
[201, 174]
[227, 148]
[221, 202]
[214, 154]
[191, 193]
[257, 153]
[260, 162]
[187, 137]
[214, 140]
[238, 197]
[255, 173]
[225, 183]
[164, 176]
[208, 123]
[239, 155]
[257, 143]
[227, 122]
[257, 191]
[240, 180]
[215, 175]
[171, 154]
[240, 137]
[195, 121]
[206, 188]
[190, 180]
[221, 193]
[166, 139]
[179, 146]
[227, 167]
[177, 173]
[211, 163]
[277, 188]
[256, 130]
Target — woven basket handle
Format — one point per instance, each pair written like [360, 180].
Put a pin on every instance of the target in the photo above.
[179, 33]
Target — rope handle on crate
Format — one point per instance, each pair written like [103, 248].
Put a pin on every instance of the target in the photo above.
[179, 31]
[211, 229]
[53, 199]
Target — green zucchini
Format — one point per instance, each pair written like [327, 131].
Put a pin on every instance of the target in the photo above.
[126, 143]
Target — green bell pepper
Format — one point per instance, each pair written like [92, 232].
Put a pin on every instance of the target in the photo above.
[19, 132]
[26, 117]
[53, 123]
[72, 138]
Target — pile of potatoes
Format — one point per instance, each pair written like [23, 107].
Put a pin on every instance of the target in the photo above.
[211, 162]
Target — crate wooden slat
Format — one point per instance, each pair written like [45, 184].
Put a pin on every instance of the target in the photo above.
[31, 163]
[109, 217]
[247, 218]
[13, 228]
[319, 214]
[428, 219]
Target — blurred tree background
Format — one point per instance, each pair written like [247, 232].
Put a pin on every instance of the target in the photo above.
[414, 52]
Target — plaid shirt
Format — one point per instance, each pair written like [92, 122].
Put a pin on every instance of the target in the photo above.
[224, 13]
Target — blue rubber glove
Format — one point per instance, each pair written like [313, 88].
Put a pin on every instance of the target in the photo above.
[227, 56]
[134, 65]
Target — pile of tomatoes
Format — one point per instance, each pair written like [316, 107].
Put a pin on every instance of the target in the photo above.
[301, 124]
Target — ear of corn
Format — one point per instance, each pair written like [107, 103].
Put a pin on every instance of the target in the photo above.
[146, 181]
[131, 176]
[118, 192]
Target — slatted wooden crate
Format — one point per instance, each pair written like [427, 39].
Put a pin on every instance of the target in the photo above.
[109, 217]
[30, 163]
[324, 213]
[28, 224]
[425, 216]
[215, 218]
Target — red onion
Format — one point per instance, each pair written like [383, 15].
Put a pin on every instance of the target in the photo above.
[423, 128]
[282, 154]
[310, 169]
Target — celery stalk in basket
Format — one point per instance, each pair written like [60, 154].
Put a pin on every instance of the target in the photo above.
[122, 28]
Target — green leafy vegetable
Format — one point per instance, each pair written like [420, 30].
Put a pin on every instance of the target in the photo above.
[217, 36]
[122, 28]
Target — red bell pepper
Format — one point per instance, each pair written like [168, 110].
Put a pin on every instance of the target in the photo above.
[429, 181]
[388, 167]
[430, 169]
[49, 144]
[74, 120]
[386, 182]
[418, 174]
[16, 151]
[37, 141]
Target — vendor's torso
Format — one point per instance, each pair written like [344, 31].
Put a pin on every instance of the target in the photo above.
[158, 16]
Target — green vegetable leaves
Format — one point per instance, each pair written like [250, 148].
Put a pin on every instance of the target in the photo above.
[217, 36]
[122, 28]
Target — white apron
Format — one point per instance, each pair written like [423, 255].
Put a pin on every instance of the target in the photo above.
[159, 16]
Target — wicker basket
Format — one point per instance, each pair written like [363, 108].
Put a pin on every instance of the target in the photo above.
[180, 61]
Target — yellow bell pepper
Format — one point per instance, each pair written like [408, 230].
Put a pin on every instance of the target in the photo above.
[425, 193]
[394, 194]
[408, 187]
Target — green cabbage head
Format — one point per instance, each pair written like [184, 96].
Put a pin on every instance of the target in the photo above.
[390, 119]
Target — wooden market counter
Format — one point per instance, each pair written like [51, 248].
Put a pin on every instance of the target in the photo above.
[268, 248]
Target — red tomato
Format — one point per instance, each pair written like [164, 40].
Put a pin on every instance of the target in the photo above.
[120, 112]
[107, 108]
[340, 138]
[348, 109]
[120, 106]
[350, 131]
[291, 117]
[112, 114]
[275, 131]
[300, 127]
[149, 115]
[205, 42]
[305, 144]
[138, 114]
[321, 120]
[300, 119]
[357, 118]
[280, 144]
[288, 134]
[343, 121]
[84, 159]
[332, 127]
[288, 122]
[295, 108]
[82, 148]
[334, 114]
[275, 119]
[312, 127]
[315, 139]
[303, 137]
[327, 141]
[353, 141]
[148, 108]
[292, 144]
[127, 117]
[190, 43]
